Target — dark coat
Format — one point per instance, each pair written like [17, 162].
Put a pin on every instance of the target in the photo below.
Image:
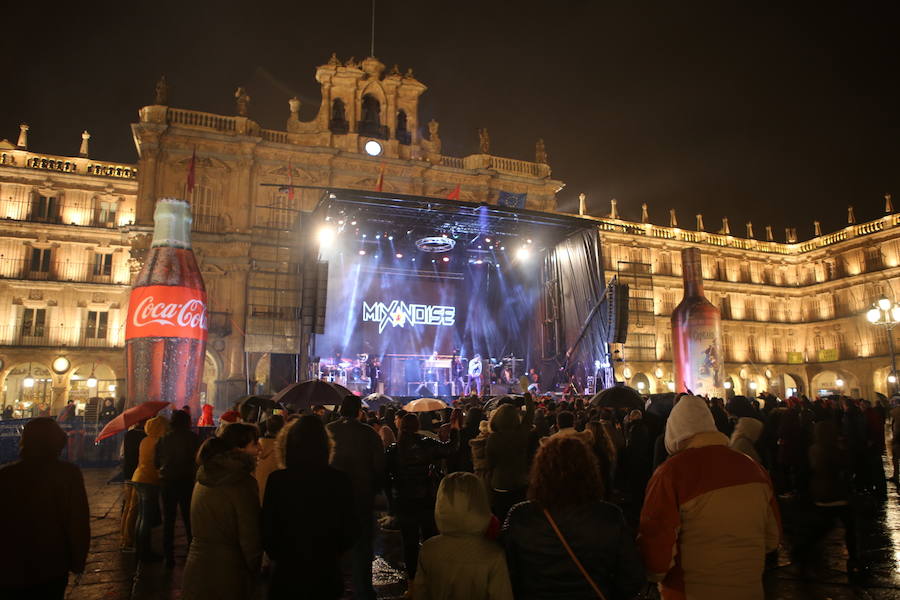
[45, 521]
[357, 451]
[308, 521]
[507, 447]
[225, 553]
[131, 451]
[830, 466]
[176, 456]
[410, 469]
[540, 567]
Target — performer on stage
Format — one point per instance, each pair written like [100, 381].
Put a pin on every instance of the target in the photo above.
[475, 367]
[373, 373]
[457, 372]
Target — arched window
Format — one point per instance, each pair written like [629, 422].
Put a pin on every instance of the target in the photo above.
[403, 134]
[338, 123]
[370, 121]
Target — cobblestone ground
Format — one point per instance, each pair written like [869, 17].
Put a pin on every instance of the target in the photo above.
[113, 575]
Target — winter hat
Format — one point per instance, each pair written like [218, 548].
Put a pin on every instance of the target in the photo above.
[462, 506]
[689, 417]
[42, 438]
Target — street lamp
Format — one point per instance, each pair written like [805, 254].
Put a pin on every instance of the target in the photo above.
[887, 314]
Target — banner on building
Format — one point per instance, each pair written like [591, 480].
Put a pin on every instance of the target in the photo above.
[795, 358]
[828, 355]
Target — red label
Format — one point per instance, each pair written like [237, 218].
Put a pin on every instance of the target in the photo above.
[166, 311]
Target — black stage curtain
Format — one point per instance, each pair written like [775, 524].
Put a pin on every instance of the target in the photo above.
[573, 279]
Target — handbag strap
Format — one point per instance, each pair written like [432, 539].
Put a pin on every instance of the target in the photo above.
[574, 558]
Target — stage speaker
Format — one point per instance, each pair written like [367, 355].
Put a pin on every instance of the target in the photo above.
[422, 389]
[619, 314]
[445, 389]
[282, 371]
[314, 296]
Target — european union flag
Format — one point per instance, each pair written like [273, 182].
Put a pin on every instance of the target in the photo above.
[511, 200]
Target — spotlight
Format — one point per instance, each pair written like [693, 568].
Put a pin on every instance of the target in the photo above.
[503, 247]
[364, 235]
[597, 364]
[488, 240]
[326, 235]
[362, 252]
[528, 241]
[446, 259]
[399, 255]
[378, 237]
[414, 260]
[353, 222]
[522, 253]
[390, 238]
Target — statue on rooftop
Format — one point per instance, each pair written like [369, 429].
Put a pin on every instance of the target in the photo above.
[162, 92]
[484, 141]
[395, 70]
[243, 102]
[540, 152]
[333, 61]
[351, 63]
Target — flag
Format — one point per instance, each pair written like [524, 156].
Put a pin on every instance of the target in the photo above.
[380, 183]
[290, 182]
[511, 200]
[191, 176]
[454, 195]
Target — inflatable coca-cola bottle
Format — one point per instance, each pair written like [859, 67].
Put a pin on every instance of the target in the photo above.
[165, 334]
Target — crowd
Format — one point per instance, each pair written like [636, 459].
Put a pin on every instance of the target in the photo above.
[513, 498]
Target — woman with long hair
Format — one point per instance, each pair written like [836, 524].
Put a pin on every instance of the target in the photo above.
[226, 549]
[412, 483]
[308, 516]
[564, 512]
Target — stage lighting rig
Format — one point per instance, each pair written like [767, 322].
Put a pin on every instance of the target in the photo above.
[523, 253]
[436, 244]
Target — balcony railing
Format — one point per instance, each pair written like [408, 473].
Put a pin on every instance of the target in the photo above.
[57, 336]
[66, 164]
[64, 212]
[80, 272]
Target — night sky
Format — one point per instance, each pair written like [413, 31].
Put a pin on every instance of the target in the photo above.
[781, 114]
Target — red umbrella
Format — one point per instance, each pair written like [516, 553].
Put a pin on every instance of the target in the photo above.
[131, 416]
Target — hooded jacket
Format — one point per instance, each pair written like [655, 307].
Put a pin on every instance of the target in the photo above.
[709, 515]
[746, 434]
[461, 562]
[507, 447]
[226, 549]
[146, 471]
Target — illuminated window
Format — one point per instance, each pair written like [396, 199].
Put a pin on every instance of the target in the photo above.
[33, 322]
[96, 324]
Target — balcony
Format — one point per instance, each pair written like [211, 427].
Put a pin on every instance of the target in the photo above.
[59, 336]
[62, 212]
[79, 272]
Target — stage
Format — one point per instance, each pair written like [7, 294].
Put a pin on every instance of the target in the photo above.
[426, 296]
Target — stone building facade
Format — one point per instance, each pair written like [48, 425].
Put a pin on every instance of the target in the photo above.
[75, 231]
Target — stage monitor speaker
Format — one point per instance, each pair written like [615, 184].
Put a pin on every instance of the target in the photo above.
[445, 389]
[421, 389]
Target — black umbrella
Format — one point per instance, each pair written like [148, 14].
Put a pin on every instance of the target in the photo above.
[496, 401]
[252, 407]
[306, 394]
[661, 404]
[618, 397]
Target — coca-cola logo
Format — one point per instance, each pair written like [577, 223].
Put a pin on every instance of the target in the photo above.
[188, 314]
[167, 311]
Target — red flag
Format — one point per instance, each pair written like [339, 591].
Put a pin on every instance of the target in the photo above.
[454, 195]
[290, 181]
[380, 182]
[192, 171]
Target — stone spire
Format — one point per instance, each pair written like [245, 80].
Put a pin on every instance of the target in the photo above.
[83, 151]
[645, 215]
[700, 222]
[790, 235]
[581, 204]
[770, 237]
[888, 205]
[673, 220]
[23, 137]
[750, 230]
[851, 217]
[726, 228]
[613, 213]
[817, 228]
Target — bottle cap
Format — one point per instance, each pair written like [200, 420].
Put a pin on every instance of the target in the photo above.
[172, 223]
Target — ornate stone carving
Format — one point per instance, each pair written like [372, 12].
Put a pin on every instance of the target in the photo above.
[333, 61]
[35, 295]
[162, 92]
[242, 100]
[484, 141]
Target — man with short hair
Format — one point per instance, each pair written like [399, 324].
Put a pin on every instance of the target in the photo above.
[359, 453]
[710, 514]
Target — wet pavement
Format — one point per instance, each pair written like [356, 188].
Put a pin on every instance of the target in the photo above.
[112, 575]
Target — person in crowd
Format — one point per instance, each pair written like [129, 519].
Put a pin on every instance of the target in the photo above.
[358, 452]
[462, 459]
[709, 516]
[831, 472]
[269, 457]
[895, 441]
[605, 452]
[792, 445]
[7, 412]
[226, 550]
[565, 427]
[44, 409]
[206, 416]
[875, 481]
[304, 547]
[145, 480]
[411, 483]
[636, 458]
[176, 458]
[461, 562]
[387, 436]
[478, 449]
[564, 541]
[507, 455]
[717, 408]
[44, 517]
[746, 435]
[109, 412]
[130, 452]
